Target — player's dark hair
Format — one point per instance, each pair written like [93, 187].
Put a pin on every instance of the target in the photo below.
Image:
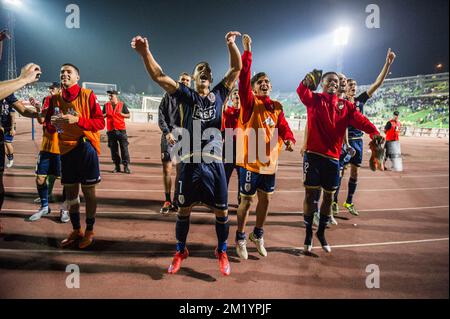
[329, 73]
[185, 74]
[73, 66]
[256, 77]
[396, 113]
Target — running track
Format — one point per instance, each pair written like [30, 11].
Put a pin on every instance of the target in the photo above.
[403, 228]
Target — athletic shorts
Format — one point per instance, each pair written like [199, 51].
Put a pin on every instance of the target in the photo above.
[81, 165]
[48, 164]
[166, 150]
[251, 182]
[320, 171]
[202, 183]
[8, 137]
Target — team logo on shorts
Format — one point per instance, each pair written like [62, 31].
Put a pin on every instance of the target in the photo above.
[181, 199]
[247, 187]
[212, 97]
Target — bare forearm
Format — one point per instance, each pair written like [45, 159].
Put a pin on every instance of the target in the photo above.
[9, 87]
[126, 116]
[156, 73]
[380, 79]
[235, 65]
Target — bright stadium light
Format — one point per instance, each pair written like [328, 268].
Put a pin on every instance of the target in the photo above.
[341, 36]
[15, 3]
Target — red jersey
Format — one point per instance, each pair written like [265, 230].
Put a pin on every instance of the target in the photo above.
[230, 118]
[392, 130]
[328, 119]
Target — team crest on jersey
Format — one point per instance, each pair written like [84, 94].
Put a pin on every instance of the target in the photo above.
[204, 114]
[269, 121]
[181, 199]
[341, 105]
[212, 97]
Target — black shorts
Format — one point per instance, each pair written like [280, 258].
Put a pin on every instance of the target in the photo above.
[202, 183]
[320, 172]
[2, 151]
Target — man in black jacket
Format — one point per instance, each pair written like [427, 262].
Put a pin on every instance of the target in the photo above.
[169, 119]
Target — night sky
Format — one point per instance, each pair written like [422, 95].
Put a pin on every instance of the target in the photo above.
[290, 37]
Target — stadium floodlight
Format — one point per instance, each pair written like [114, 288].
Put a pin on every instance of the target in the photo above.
[15, 3]
[341, 36]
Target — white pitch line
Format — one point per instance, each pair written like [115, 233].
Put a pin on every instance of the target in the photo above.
[299, 177]
[144, 252]
[387, 243]
[111, 190]
[151, 212]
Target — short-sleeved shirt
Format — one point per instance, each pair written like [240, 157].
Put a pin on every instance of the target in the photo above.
[360, 101]
[6, 108]
[207, 110]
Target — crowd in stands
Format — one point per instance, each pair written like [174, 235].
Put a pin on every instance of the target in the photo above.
[420, 103]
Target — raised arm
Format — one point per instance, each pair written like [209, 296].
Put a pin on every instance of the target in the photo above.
[245, 86]
[235, 60]
[390, 57]
[29, 74]
[141, 46]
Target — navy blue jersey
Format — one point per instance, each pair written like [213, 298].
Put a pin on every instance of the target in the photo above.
[6, 108]
[206, 112]
[360, 101]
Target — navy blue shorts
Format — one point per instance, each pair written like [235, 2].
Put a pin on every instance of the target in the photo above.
[356, 160]
[8, 137]
[202, 183]
[81, 165]
[48, 164]
[251, 182]
[320, 171]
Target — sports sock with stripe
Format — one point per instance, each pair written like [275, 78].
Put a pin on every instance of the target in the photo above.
[43, 194]
[90, 224]
[181, 231]
[352, 183]
[222, 231]
[240, 236]
[50, 182]
[336, 194]
[75, 220]
[258, 232]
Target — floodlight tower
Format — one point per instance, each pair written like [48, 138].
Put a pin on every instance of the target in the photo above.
[341, 37]
[11, 69]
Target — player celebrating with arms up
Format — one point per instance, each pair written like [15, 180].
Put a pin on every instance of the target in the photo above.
[328, 118]
[201, 174]
[257, 176]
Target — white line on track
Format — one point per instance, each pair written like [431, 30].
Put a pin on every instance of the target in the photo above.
[111, 190]
[151, 212]
[143, 252]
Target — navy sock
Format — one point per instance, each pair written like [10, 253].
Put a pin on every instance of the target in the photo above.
[352, 183]
[308, 220]
[43, 194]
[336, 194]
[181, 231]
[317, 200]
[168, 197]
[240, 236]
[75, 220]
[258, 232]
[323, 222]
[10, 156]
[90, 224]
[222, 231]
